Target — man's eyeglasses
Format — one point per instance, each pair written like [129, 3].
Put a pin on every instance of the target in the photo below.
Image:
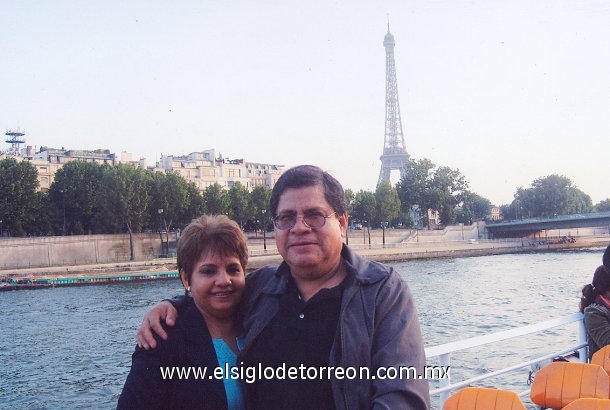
[288, 221]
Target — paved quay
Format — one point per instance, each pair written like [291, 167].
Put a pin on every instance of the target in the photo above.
[392, 252]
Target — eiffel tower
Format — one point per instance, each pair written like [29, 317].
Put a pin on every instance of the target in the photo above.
[395, 155]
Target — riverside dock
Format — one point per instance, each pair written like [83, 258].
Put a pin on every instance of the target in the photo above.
[42, 282]
[164, 268]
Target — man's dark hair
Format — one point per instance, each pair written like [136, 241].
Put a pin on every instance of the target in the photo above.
[305, 176]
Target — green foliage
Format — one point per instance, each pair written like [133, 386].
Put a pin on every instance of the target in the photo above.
[216, 199]
[415, 184]
[196, 206]
[404, 220]
[447, 188]
[123, 199]
[603, 206]
[169, 199]
[18, 201]
[474, 207]
[39, 222]
[548, 196]
[365, 207]
[349, 200]
[75, 188]
[388, 204]
[239, 203]
[423, 186]
[259, 202]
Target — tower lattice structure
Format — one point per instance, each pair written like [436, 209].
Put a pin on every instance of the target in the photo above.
[394, 155]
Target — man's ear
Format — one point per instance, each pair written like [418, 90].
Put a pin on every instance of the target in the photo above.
[343, 220]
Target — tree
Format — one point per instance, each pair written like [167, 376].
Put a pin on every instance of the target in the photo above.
[603, 206]
[415, 185]
[74, 191]
[365, 206]
[168, 200]
[239, 203]
[549, 196]
[124, 199]
[388, 204]
[474, 207]
[579, 202]
[349, 200]
[39, 222]
[195, 207]
[446, 192]
[216, 199]
[259, 201]
[423, 186]
[480, 206]
[18, 184]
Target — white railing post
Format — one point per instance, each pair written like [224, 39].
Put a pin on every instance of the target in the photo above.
[582, 338]
[444, 361]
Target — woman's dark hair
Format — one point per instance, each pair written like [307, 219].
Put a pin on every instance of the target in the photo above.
[306, 176]
[205, 235]
[606, 258]
[599, 286]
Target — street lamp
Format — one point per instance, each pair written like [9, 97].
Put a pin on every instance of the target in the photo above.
[1, 235]
[364, 232]
[264, 211]
[384, 225]
[63, 194]
[160, 212]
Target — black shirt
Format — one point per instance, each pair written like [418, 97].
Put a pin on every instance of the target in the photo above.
[301, 333]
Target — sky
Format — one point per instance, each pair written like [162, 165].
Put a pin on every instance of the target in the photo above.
[505, 91]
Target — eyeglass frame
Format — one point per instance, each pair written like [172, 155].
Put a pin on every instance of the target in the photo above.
[303, 216]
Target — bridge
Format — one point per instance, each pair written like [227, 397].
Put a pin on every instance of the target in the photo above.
[525, 227]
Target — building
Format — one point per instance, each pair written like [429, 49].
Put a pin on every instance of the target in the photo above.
[205, 168]
[495, 214]
[48, 160]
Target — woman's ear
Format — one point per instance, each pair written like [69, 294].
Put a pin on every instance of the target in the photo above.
[185, 282]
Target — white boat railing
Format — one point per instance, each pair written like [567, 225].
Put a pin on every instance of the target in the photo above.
[445, 351]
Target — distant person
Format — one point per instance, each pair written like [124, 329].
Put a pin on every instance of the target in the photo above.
[595, 304]
[323, 307]
[212, 256]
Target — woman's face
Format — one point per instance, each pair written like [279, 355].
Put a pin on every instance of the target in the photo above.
[217, 285]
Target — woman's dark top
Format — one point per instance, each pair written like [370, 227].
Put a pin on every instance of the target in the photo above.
[189, 345]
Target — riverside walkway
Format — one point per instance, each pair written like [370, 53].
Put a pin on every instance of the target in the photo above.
[258, 257]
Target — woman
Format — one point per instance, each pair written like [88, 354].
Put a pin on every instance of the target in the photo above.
[212, 257]
[595, 303]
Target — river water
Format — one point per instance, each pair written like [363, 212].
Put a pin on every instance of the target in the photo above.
[71, 347]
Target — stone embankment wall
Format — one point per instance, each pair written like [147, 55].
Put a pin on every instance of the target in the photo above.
[75, 250]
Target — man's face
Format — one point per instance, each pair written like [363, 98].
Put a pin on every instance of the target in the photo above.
[310, 252]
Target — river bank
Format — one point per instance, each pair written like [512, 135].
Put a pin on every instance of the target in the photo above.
[392, 252]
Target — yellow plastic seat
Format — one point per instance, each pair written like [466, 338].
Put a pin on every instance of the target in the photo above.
[560, 383]
[481, 398]
[602, 358]
[589, 404]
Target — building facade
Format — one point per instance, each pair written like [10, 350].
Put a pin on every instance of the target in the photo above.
[202, 168]
[205, 168]
[495, 214]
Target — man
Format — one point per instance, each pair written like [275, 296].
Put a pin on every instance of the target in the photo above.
[323, 307]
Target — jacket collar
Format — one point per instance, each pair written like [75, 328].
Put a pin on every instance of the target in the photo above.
[364, 271]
